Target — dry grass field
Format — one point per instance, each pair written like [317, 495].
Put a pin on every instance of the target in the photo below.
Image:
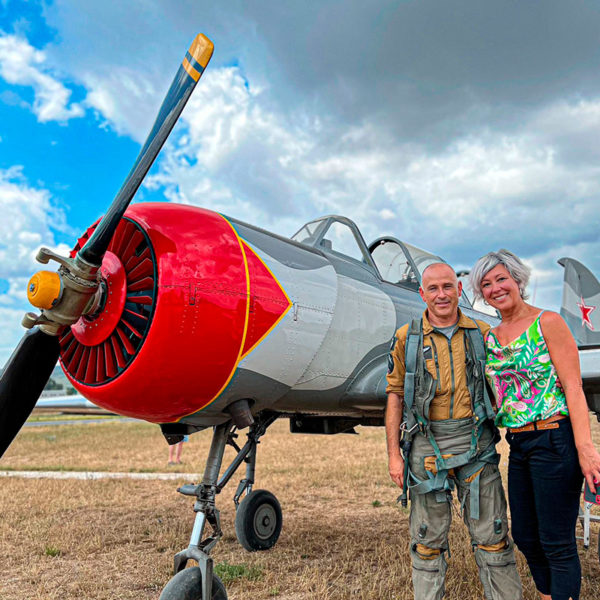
[344, 536]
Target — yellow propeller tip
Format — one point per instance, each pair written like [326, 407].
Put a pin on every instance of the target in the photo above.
[201, 49]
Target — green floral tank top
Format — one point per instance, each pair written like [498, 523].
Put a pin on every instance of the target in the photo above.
[524, 379]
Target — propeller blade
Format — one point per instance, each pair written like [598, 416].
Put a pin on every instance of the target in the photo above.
[25, 375]
[187, 76]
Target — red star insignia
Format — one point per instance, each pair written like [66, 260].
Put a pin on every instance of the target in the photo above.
[585, 314]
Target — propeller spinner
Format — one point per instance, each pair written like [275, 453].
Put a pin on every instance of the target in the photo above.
[77, 288]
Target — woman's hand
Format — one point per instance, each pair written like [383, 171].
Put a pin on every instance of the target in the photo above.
[589, 461]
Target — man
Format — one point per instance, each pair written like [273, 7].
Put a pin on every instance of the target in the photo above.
[438, 401]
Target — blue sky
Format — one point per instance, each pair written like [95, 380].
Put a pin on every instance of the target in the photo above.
[460, 127]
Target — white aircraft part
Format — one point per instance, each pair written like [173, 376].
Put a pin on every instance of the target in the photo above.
[58, 402]
[291, 345]
[364, 318]
[590, 363]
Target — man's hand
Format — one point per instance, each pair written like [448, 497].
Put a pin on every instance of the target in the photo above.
[396, 467]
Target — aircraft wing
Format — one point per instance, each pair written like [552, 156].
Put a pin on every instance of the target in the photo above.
[72, 404]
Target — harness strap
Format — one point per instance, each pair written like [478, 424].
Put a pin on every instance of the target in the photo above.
[473, 460]
[472, 464]
[414, 341]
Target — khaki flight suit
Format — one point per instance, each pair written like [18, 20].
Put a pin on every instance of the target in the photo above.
[450, 416]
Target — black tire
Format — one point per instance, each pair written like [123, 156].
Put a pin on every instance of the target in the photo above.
[187, 585]
[258, 521]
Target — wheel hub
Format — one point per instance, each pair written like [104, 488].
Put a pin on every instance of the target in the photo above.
[265, 521]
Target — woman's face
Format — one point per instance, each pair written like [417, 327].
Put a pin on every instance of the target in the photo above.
[499, 289]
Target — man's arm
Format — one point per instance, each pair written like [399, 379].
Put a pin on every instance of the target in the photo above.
[393, 419]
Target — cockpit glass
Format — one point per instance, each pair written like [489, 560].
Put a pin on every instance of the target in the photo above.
[421, 258]
[393, 264]
[334, 236]
[400, 263]
[340, 239]
[307, 234]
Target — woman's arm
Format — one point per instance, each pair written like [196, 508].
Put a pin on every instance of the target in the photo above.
[565, 358]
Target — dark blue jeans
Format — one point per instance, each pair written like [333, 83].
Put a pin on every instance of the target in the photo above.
[544, 489]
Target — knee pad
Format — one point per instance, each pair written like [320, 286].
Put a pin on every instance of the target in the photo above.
[494, 555]
[498, 547]
[427, 553]
[428, 571]
[498, 571]
[428, 559]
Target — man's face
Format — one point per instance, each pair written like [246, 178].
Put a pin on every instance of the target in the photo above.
[441, 290]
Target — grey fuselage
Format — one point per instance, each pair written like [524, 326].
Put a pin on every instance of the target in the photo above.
[328, 355]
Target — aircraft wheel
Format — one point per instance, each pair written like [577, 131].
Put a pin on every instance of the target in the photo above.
[187, 585]
[258, 521]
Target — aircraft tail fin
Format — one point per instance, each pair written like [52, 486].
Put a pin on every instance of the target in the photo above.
[581, 302]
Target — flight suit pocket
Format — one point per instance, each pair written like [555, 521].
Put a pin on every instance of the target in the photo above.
[430, 465]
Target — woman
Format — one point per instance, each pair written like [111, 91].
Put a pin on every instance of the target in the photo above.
[533, 366]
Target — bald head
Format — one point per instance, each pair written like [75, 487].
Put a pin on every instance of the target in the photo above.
[440, 290]
[437, 269]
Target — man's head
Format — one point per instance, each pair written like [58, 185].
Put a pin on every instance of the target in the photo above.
[440, 290]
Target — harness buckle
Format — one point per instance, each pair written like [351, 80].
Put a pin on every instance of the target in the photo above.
[404, 428]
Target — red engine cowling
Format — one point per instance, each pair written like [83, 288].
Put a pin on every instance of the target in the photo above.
[176, 317]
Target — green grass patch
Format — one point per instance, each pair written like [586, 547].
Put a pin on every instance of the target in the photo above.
[229, 573]
[52, 551]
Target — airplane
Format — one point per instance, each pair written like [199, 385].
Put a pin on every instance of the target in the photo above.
[74, 404]
[191, 319]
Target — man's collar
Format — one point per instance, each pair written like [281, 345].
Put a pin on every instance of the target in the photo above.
[463, 321]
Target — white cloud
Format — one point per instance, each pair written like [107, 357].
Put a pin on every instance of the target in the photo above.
[386, 214]
[234, 155]
[124, 97]
[237, 154]
[532, 185]
[28, 220]
[22, 64]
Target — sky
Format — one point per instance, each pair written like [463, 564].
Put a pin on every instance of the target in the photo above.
[459, 127]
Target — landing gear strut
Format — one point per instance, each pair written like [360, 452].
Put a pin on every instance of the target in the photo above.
[259, 526]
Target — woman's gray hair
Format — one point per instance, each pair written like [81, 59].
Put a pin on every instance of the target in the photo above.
[513, 264]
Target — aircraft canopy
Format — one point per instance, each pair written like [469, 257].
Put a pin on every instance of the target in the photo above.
[393, 261]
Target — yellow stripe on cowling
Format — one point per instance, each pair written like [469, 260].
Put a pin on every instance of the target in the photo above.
[201, 50]
[246, 320]
[195, 75]
[282, 314]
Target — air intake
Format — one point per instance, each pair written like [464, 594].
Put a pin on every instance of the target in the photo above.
[100, 347]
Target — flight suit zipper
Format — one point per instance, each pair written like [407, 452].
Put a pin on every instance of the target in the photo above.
[452, 376]
[467, 345]
[437, 364]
